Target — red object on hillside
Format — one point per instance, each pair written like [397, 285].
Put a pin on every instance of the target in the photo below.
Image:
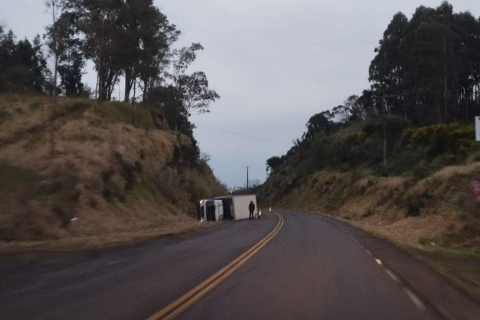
[476, 189]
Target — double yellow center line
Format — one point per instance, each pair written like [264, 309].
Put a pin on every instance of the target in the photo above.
[175, 308]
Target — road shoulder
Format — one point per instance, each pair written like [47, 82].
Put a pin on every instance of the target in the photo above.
[435, 291]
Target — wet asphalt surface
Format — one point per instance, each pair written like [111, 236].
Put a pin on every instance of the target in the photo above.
[314, 268]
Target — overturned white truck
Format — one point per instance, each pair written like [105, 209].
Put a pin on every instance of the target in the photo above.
[227, 208]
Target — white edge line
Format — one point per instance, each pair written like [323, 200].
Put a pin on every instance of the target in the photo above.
[414, 298]
[100, 267]
[418, 303]
[32, 287]
[356, 240]
[392, 275]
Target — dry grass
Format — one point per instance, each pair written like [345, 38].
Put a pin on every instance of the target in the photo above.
[94, 173]
[75, 244]
[442, 206]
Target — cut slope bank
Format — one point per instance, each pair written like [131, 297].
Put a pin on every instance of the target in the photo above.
[83, 174]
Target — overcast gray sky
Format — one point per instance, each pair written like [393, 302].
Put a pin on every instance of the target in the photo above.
[274, 62]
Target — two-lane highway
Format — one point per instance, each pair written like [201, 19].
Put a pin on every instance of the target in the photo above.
[310, 271]
[304, 267]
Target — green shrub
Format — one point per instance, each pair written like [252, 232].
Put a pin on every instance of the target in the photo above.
[414, 207]
[452, 138]
[471, 229]
[367, 214]
[424, 241]
[356, 138]
[63, 183]
[4, 115]
[34, 139]
[13, 176]
[421, 171]
[35, 105]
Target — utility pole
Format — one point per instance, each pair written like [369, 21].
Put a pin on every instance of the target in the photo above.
[445, 94]
[384, 118]
[247, 177]
[385, 154]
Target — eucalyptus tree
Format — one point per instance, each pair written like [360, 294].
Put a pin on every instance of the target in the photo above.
[64, 42]
[54, 44]
[193, 88]
[148, 35]
[427, 68]
[387, 70]
[98, 22]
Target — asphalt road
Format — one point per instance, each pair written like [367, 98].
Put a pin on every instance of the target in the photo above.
[313, 269]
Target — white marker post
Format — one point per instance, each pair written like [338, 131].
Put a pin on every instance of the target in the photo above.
[477, 128]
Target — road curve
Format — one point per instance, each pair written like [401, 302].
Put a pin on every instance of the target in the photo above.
[313, 268]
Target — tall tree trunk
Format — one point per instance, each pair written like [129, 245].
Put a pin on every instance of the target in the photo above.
[128, 84]
[146, 90]
[111, 81]
[445, 80]
[97, 86]
[55, 46]
[439, 110]
[55, 75]
[102, 88]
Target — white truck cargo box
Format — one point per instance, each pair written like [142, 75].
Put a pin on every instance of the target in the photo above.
[241, 204]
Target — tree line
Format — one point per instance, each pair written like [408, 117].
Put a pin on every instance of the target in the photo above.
[23, 65]
[130, 40]
[426, 71]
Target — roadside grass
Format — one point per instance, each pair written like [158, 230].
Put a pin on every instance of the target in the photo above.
[35, 139]
[74, 245]
[460, 267]
[12, 177]
[4, 115]
[122, 113]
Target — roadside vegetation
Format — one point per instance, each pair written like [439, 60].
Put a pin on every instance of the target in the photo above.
[79, 169]
[400, 160]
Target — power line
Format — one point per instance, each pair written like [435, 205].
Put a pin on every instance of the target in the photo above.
[413, 91]
[409, 92]
[242, 134]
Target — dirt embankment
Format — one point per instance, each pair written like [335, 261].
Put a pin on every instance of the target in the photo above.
[439, 210]
[74, 173]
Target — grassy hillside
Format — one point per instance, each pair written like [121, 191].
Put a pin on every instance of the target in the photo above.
[82, 173]
[422, 201]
